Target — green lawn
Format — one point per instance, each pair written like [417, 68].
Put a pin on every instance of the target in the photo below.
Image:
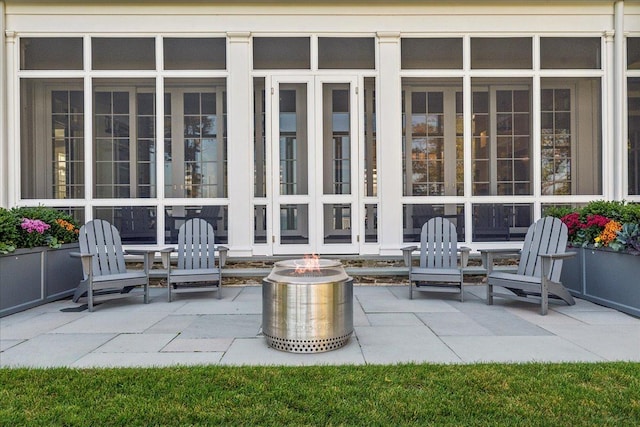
[486, 394]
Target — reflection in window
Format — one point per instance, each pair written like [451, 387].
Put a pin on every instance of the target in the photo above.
[259, 139]
[215, 215]
[370, 139]
[497, 221]
[136, 224]
[337, 139]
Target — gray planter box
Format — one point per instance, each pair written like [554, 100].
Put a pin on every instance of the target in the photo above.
[605, 277]
[31, 277]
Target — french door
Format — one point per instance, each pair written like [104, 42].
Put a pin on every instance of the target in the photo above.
[314, 151]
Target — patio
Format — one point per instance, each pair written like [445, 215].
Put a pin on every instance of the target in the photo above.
[389, 328]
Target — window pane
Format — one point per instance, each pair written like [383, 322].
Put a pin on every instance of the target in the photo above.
[371, 223]
[175, 216]
[431, 53]
[51, 53]
[496, 53]
[195, 160]
[195, 53]
[259, 139]
[433, 137]
[416, 215]
[276, 53]
[123, 53]
[136, 224]
[633, 53]
[571, 143]
[336, 138]
[570, 52]
[634, 135]
[501, 148]
[260, 224]
[346, 53]
[498, 222]
[52, 139]
[337, 223]
[294, 224]
[370, 139]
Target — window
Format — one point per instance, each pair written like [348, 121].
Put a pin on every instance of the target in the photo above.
[432, 137]
[52, 139]
[346, 53]
[633, 102]
[195, 53]
[570, 52]
[436, 53]
[45, 53]
[496, 53]
[571, 136]
[123, 53]
[501, 147]
[277, 53]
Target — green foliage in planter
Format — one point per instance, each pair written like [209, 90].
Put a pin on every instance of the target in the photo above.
[62, 227]
[622, 212]
[628, 238]
[8, 231]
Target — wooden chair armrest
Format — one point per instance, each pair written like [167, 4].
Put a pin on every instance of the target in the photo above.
[464, 255]
[223, 250]
[165, 257]
[487, 256]
[558, 255]
[147, 254]
[86, 262]
[406, 255]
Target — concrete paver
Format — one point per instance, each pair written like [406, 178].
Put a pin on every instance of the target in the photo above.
[389, 328]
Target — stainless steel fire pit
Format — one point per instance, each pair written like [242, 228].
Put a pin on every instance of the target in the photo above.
[307, 309]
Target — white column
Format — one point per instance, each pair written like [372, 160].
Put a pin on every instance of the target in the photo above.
[240, 144]
[619, 123]
[389, 120]
[610, 170]
[4, 189]
[12, 141]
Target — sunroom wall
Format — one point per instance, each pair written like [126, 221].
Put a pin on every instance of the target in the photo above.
[387, 21]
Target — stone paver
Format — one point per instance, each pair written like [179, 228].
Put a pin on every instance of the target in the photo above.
[389, 328]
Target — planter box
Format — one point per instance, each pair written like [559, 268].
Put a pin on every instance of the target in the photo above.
[604, 277]
[31, 277]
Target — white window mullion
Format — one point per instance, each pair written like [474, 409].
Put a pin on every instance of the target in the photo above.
[89, 165]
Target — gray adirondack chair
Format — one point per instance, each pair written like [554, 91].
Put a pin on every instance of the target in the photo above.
[197, 269]
[438, 258]
[539, 268]
[103, 264]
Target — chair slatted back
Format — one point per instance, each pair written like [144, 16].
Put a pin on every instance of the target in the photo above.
[196, 246]
[547, 235]
[438, 244]
[101, 238]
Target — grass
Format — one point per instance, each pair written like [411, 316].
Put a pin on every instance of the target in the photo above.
[484, 394]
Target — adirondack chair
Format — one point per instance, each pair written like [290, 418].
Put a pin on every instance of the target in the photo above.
[103, 264]
[438, 258]
[539, 268]
[196, 269]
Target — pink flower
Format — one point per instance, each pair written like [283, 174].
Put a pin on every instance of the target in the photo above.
[31, 225]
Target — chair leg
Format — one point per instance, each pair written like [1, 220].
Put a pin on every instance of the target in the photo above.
[220, 288]
[489, 294]
[146, 291]
[90, 296]
[168, 290]
[544, 297]
[410, 289]
[461, 291]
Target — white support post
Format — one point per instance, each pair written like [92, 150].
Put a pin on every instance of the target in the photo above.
[4, 188]
[390, 141]
[240, 144]
[12, 141]
[609, 134]
[619, 122]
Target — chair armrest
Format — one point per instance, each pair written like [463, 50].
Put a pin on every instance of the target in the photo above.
[165, 256]
[406, 255]
[558, 255]
[487, 256]
[223, 250]
[148, 255]
[464, 255]
[86, 262]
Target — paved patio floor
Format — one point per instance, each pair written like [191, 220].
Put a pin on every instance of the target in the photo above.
[389, 328]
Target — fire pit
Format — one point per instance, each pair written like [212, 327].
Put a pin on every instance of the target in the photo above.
[307, 306]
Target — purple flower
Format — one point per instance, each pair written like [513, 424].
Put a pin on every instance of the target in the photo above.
[31, 225]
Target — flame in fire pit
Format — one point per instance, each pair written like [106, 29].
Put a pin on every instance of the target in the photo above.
[309, 264]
